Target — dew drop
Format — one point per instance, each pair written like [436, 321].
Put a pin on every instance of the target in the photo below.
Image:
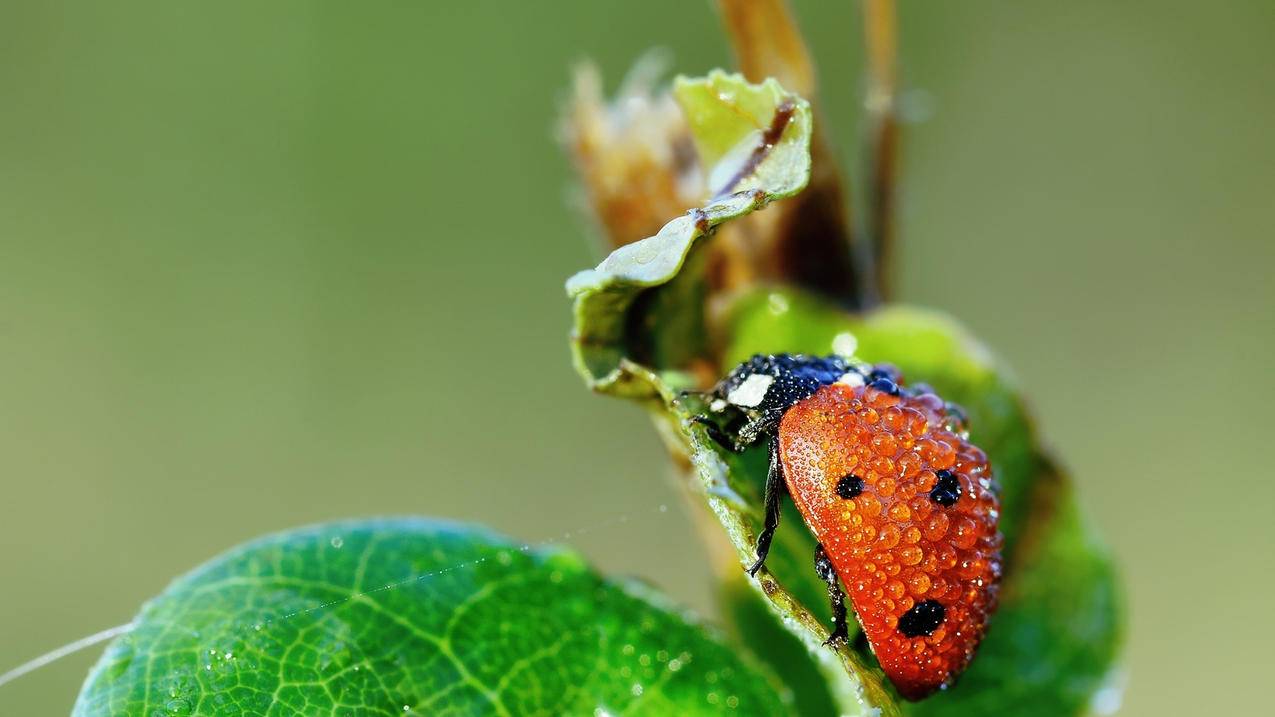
[966, 533]
[936, 527]
[895, 589]
[845, 344]
[889, 536]
[918, 583]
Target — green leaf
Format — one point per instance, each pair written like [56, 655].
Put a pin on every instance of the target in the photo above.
[751, 137]
[640, 328]
[752, 623]
[407, 616]
[756, 142]
[1055, 638]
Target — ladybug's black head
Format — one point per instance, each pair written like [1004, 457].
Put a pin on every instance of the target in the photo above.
[773, 382]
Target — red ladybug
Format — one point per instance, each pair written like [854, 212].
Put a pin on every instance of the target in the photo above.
[900, 501]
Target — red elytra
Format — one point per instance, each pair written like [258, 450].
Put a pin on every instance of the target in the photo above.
[921, 565]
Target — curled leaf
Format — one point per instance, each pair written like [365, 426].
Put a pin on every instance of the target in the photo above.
[749, 136]
[808, 241]
[757, 141]
[633, 154]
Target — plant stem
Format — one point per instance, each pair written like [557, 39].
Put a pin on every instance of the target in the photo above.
[881, 45]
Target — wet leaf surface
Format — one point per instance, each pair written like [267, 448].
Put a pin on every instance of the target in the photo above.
[406, 616]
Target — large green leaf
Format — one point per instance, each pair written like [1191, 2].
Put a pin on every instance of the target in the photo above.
[751, 622]
[407, 616]
[640, 330]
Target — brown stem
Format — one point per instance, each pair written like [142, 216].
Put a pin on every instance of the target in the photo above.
[768, 43]
[807, 240]
[881, 43]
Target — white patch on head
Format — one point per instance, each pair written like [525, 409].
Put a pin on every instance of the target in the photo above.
[718, 405]
[852, 379]
[750, 393]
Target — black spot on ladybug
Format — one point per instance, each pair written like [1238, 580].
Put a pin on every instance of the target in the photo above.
[946, 490]
[885, 385]
[923, 619]
[850, 486]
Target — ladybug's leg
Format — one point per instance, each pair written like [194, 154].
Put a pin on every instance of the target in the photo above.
[823, 566]
[757, 427]
[775, 491]
[720, 437]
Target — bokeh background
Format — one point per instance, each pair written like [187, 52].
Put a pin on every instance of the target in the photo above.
[264, 264]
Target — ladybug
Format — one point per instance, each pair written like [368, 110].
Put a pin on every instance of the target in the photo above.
[901, 503]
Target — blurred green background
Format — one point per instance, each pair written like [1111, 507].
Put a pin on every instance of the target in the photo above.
[269, 263]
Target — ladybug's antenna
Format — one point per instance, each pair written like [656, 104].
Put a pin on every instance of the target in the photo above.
[68, 649]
